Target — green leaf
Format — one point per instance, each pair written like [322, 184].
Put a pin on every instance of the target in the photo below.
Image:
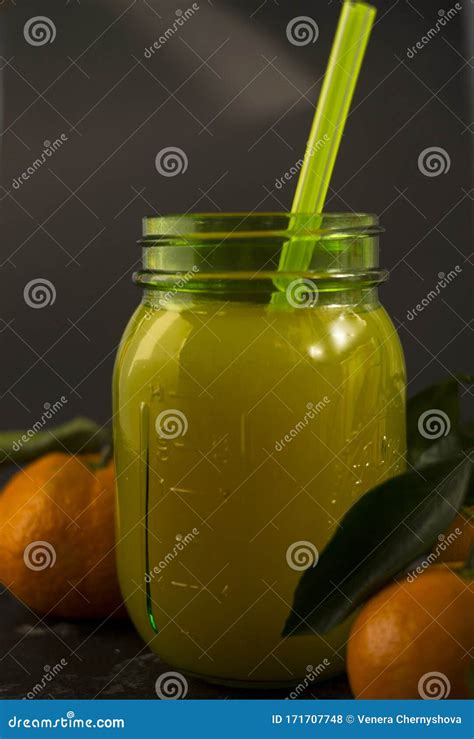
[81, 435]
[382, 533]
[434, 429]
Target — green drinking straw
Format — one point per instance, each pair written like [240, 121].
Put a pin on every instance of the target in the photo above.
[350, 42]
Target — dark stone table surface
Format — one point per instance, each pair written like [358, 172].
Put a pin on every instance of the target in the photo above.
[98, 660]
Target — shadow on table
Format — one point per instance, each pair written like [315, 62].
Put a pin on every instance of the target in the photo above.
[78, 659]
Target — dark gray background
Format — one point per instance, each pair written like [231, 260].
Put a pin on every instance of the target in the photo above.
[237, 97]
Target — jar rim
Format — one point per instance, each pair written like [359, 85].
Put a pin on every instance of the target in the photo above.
[209, 250]
[236, 225]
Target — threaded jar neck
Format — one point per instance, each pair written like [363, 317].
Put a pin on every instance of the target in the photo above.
[235, 253]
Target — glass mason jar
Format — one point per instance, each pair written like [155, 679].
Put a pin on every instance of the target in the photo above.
[253, 406]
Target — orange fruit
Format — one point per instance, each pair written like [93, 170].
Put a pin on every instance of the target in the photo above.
[458, 539]
[412, 639]
[57, 545]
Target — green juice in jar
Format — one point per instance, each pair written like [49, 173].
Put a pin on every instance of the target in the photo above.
[244, 431]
